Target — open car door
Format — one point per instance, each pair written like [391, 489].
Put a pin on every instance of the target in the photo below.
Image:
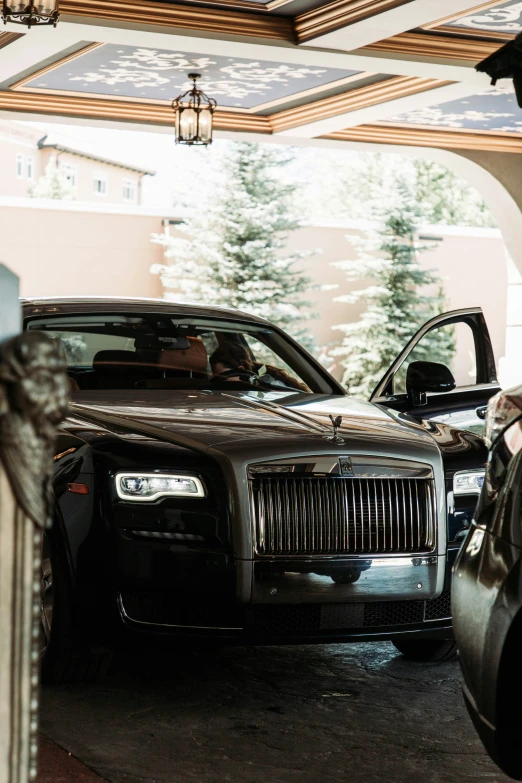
[446, 372]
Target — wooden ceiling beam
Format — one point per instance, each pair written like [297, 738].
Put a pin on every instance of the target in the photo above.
[206, 20]
[340, 13]
[430, 44]
[358, 98]
[8, 38]
[424, 137]
[156, 115]
[121, 111]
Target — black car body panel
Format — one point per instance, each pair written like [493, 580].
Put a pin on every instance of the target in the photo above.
[487, 602]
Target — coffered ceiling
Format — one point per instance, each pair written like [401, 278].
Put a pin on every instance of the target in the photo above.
[371, 70]
[490, 19]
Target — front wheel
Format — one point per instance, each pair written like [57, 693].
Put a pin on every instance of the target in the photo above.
[65, 655]
[426, 650]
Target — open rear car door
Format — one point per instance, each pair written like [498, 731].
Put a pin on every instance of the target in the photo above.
[445, 373]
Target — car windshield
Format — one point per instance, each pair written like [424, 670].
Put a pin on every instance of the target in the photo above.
[159, 351]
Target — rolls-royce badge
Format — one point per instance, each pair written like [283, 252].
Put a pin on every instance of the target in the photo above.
[345, 466]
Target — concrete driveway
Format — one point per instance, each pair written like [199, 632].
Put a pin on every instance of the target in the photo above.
[354, 713]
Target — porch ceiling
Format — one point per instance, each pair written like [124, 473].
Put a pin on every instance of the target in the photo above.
[369, 70]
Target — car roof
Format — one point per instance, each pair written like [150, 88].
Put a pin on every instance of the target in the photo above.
[103, 304]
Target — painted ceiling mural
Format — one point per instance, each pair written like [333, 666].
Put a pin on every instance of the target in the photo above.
[156, 74]
[501, 18]
[495, 110]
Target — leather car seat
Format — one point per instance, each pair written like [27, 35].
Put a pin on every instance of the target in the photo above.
[117, 370]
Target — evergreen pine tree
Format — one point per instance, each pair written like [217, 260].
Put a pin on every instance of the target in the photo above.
[397, 300]
[354, 184]
[234, 254]
[53, 184]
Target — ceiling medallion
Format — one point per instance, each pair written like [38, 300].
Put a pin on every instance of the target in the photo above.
[193, 115]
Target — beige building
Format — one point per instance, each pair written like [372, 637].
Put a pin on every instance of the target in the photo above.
[25, 153]
[104, 249]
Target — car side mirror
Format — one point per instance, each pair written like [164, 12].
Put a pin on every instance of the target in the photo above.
[423, 377]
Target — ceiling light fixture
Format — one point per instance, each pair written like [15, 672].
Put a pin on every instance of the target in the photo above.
[30, 14]
[193, 115]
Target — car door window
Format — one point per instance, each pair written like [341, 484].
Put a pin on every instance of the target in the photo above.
[459, 340]
[449, 344]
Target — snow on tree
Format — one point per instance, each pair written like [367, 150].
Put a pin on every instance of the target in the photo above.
[233, 253]
[447, 199]
[401, 297]
[54, 184]
[350, 184]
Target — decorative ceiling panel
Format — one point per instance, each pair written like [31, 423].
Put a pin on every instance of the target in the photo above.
[493, 110]
[500, 18]
[155, 74]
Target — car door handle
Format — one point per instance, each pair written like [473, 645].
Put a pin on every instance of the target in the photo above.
[481, 412]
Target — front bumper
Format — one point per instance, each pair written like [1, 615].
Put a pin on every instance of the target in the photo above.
[288, 623]
[318, 580]
[354, 614]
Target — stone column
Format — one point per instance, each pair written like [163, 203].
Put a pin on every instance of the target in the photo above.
[33, 400]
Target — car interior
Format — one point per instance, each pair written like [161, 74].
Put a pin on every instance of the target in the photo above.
[155, 354]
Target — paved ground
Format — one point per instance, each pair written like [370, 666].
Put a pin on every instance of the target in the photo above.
[354, 713]
[56, 765]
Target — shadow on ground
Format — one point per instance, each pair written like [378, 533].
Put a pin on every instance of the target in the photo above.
[357, 713]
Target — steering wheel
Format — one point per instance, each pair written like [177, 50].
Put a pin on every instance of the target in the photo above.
[241, 374]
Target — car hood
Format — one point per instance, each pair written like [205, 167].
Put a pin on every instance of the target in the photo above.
[260, 423]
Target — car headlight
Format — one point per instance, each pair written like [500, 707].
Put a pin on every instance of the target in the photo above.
[503, 409]
[151, 486]
[468, 482]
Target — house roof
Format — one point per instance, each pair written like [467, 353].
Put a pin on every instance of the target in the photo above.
[48, 142]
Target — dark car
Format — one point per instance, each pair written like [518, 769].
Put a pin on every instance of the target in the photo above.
[213, 480]
[487, 592]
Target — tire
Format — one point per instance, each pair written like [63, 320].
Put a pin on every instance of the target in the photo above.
[427, 650]
[65, 655]
[346, 578]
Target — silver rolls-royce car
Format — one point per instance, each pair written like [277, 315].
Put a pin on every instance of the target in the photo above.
[213, 480]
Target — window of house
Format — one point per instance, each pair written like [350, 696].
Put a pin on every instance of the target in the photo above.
[20, 166]
[29, 167]
[100, 184]
[70, 172]
[129, 190]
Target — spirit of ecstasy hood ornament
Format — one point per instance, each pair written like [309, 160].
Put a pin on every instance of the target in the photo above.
[336, 424]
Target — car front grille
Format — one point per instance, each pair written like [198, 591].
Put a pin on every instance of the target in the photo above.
[379, 614]
[333, 515]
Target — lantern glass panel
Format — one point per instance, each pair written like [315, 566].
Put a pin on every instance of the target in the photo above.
[188, 124]
[47, 7]
[205, 126]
